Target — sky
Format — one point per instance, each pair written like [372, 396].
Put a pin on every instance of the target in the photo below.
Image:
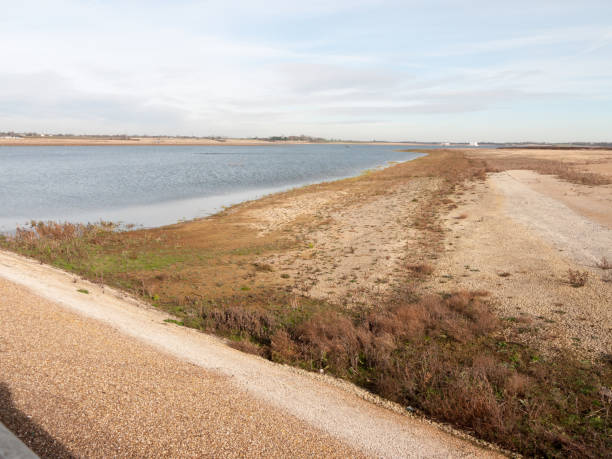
[360, 69]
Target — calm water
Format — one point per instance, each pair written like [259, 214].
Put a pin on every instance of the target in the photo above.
[158, 185]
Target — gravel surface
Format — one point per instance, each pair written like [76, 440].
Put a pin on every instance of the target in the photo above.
[102, 394]
[518, 245]
[582, 239]
[353, 258]
[103, 376]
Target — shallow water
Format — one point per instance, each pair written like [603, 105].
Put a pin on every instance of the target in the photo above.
[159, 185]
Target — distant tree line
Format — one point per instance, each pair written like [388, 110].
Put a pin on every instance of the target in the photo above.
[293, 138]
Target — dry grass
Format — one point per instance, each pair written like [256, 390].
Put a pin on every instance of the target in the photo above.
[445, 355]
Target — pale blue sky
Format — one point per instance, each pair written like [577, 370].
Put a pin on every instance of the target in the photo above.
[361, 69]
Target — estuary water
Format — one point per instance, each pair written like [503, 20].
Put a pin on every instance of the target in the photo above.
[159, 185]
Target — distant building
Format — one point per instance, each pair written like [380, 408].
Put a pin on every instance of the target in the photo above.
[473, 144]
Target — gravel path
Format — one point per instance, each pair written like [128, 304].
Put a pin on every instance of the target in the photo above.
[580, 238]
[105, 376]
[516, 244]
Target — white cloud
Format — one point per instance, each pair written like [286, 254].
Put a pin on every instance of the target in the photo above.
[187, 68]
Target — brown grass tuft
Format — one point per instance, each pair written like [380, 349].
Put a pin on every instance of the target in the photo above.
[422, 269]
[577, 278]
[283, 348]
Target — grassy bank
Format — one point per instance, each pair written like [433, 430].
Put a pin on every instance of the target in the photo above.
[444, 354]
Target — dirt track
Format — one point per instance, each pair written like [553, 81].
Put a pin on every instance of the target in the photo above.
[582, 239]
[516, 239]
[104, 375]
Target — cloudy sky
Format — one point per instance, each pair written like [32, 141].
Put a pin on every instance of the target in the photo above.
[357, 69]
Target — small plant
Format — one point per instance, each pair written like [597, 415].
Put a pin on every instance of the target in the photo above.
[504, 274]
[604, 263]
[285, 276]
[82, 290]
[263, 267]
[173, 321]
[577, 278]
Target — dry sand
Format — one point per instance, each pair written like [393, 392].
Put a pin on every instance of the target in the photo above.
[105, 376]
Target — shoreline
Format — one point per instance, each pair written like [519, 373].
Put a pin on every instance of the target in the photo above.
[188, 142]
[181, 209]
[301, 273]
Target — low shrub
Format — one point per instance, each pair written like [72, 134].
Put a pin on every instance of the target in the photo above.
[446, 356]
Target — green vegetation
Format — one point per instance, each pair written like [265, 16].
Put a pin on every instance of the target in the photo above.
[176, 322]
